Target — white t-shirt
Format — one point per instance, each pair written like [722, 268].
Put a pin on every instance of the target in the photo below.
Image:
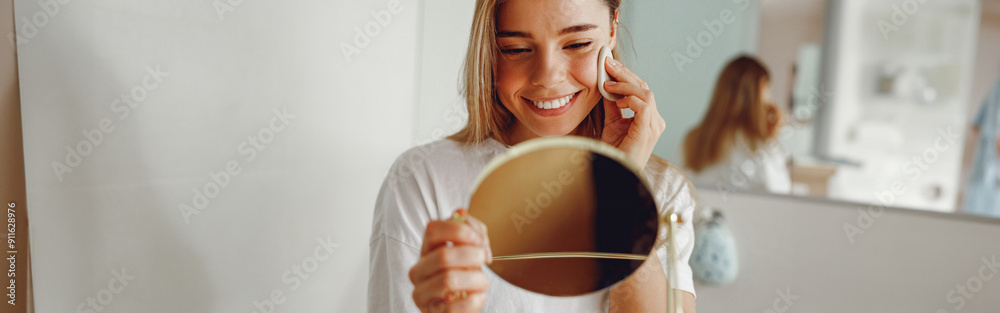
[429, 182]
[744, 169]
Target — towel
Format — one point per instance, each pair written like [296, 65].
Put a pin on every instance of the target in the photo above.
[982, 197]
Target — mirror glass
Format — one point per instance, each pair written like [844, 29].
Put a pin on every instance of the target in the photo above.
[879, 99]
[566, 216]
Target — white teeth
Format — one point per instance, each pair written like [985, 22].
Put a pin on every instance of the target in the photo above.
[554, 104]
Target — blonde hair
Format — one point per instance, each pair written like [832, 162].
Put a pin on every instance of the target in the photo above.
[737, 106]
[487, 116]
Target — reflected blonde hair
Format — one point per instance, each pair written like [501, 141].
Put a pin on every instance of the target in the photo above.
[737, 106]
[488, 118]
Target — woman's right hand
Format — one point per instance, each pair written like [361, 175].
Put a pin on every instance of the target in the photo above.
[774, 118]
[637, 135]
[449, 276]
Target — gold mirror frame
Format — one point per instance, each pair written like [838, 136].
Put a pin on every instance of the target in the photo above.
[549, 228]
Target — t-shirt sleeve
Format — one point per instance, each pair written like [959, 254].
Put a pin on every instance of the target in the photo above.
[400, 217]
[679, 197]
[389, 288]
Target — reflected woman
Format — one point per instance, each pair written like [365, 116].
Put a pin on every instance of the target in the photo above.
[530, 71]
[735, 146]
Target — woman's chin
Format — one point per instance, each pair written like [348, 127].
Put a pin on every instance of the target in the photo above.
[552, 132]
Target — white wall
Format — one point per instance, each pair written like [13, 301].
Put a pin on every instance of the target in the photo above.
[899, 260]
[444, 38]
[118, 208]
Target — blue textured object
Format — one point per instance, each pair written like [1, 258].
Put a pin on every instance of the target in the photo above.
[982, 195]
[714, 260]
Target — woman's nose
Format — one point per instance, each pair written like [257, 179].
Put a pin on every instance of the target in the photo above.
[550, 70]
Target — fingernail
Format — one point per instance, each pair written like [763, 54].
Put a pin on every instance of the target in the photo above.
[611, 83]
[612, 61]
[459, 216]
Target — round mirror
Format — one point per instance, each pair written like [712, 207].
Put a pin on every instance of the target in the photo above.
[566, 215]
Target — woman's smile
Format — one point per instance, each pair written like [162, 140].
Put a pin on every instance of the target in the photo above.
[547, 107]
[546, 69]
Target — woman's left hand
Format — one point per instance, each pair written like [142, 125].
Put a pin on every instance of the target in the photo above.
[637, 135]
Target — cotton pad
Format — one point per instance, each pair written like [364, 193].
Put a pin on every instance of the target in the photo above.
[602, 74]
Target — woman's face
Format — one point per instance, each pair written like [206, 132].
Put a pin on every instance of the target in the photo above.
[765, 92]
[549, 54]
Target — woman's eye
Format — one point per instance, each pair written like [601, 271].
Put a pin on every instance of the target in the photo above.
[515, 51]
[579, 45]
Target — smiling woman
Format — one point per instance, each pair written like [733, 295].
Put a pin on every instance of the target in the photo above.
[564, 38]
[530, 71]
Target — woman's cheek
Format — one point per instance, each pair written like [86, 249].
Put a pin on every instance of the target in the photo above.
[586, 70]
[504, 83]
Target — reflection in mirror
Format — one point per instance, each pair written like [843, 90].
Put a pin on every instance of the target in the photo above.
[566, 216]
[878, 103]
[896, 118]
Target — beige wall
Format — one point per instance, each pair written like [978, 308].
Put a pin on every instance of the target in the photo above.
[987, 69]
[785, 26]
[900, 260]
[12, 165]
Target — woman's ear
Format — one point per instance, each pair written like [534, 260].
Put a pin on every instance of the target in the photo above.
[614, 32]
